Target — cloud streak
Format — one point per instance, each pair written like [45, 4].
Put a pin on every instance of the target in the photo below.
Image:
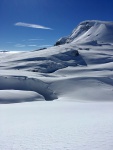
[32, 45]
[36, 26]
[20, 45]
[35, 39]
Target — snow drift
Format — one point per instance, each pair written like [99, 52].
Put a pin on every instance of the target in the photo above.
[18, 96]
[22, 85]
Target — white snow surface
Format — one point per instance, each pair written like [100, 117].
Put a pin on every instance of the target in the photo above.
[60, 98]
[56, 126]
[92, 32]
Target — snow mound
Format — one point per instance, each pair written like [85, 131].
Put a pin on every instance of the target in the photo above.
[90, 31]
[25, 85]
[17, 96]
[84, 89]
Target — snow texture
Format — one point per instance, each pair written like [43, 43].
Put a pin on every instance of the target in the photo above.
[56, 126]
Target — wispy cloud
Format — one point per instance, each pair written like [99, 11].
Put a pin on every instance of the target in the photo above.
[35, 39]
[32, 45]
[20, 45]
[31, 25]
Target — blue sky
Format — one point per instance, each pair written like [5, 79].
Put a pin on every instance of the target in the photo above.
[31, 24]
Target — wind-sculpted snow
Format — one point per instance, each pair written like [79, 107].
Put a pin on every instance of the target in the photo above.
[46, 61]
[68, 70]
[22, 83]
[17, 96]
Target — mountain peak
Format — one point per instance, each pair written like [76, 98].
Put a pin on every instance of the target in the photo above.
[89, 31]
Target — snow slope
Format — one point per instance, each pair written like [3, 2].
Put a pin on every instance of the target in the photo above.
[69, 88]
[93, 32]
[78, 71]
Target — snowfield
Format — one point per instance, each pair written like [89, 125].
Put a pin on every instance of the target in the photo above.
[60, 98]
[56, 126]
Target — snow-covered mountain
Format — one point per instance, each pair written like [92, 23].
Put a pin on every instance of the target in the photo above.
[92, 32]
[84, 60]
[75, 77]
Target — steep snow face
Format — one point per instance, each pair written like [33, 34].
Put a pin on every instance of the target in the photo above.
[91, 32]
